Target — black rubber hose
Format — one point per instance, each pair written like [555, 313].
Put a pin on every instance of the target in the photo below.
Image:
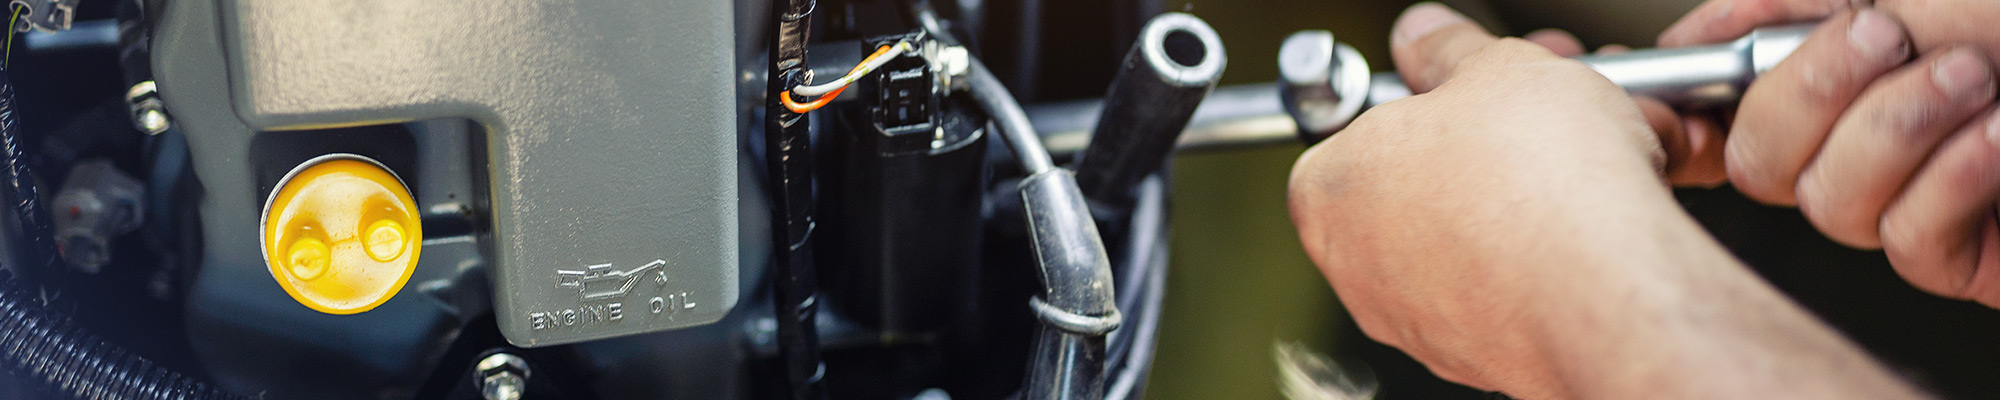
[39, 346]
[42, 348]
[1167, 74]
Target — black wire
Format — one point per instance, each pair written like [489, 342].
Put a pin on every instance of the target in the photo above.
[1141, 278]
[788, 163]
[41, 248]
[1008, 116]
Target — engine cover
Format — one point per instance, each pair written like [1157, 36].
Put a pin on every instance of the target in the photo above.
[609, 145]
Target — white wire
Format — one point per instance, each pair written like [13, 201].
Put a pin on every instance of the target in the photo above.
[859, 71]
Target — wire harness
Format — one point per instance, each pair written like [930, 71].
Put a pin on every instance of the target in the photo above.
[825, 92]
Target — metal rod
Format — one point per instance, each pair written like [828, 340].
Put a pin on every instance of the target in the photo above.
[1318, 72]
[1231, 117]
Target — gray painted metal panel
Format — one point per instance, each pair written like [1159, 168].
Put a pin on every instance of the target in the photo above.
[611, 136]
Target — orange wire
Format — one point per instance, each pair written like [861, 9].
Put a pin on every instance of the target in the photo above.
[802, 108]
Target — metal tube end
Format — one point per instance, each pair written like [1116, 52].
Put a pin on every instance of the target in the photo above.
[1183, 49]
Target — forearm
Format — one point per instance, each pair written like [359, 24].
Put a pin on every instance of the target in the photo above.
[1673, 315]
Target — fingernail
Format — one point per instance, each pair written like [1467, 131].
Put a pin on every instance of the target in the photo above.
[1961, 75]
[1876, 35]
[1422, 19]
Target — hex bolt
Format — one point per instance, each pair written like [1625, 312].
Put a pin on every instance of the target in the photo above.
[149, 114]
[153, 121]
[502, 376]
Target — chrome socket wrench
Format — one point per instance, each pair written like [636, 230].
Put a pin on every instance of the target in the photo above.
[1326, 84]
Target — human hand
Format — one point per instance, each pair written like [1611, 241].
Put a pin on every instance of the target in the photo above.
[1878, 151]
[1457, 224]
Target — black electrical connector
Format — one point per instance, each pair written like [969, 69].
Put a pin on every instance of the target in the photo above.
[906, 97]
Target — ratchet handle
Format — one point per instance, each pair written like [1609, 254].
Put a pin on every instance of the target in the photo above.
[1688, 78]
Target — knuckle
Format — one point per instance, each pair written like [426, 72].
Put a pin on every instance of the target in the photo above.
[1314, 178]
[1751, 175]
[1922, 268]
[1896, 231]
[1374, 329]
[1453, 374]
[1507, 50]
[1840, 212]
[1910, 124]
[1926, 257]
[1841, 224]
[1818, 88]
[1514, 44]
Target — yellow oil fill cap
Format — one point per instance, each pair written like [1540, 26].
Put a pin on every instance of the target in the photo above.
[341, 234]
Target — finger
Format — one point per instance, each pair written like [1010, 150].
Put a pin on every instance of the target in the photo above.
[1703, 166]
[1693, 145]
[1557, 41]
[1941, 233]
[1889, 131]
[1948, 23]
[1719, 21]
[1698, 160]
[1429, 41]
[1785, 115]
[1667, 124]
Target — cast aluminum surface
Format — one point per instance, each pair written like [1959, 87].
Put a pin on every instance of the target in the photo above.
[610, 137]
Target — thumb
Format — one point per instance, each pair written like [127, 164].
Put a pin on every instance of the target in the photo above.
[1429, 41]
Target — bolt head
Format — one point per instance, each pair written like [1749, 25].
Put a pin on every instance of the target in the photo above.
[153, 121]
[505, 386]
[502, 376]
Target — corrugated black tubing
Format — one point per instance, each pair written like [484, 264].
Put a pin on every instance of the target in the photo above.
[41, 347]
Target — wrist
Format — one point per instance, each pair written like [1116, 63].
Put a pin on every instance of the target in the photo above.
[1636, 302]
[1674, 315]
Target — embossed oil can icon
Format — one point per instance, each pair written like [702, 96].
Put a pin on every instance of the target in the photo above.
[603, 281]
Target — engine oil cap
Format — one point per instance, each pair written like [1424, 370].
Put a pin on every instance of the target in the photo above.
[341, 234]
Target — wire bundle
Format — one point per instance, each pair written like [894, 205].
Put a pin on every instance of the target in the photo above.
[825, 93]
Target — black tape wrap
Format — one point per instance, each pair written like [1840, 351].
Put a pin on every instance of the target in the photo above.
[35, 223]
